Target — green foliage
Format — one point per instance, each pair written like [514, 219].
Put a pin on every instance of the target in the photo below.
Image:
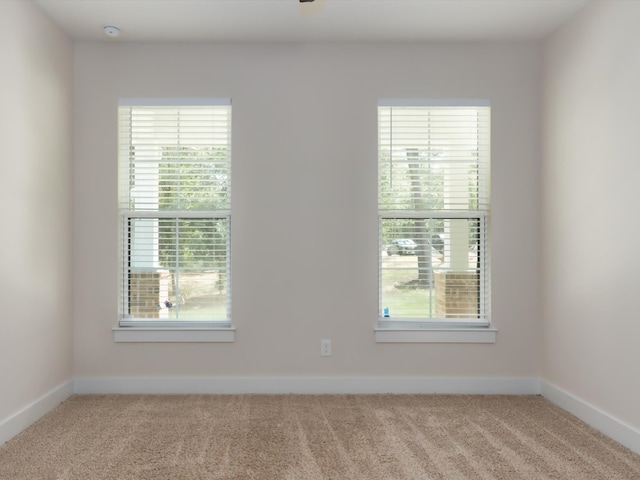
[194, 179]
[410, 181]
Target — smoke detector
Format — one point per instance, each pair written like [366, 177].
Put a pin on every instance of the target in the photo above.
[111, 31]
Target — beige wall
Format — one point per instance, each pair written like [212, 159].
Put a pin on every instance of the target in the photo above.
[304, 171]
[36, 62]
[304, 203]
[590, 198]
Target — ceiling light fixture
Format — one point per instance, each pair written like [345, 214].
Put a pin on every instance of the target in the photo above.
[111, 31]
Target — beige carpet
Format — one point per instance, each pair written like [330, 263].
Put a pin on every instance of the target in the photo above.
[307, 437]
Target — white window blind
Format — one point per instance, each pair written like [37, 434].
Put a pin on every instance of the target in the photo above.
[433, 206]
[175, 207]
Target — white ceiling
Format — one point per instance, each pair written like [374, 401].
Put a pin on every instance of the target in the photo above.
[323, 20]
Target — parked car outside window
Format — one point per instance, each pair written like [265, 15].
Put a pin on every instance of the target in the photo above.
[402, 246]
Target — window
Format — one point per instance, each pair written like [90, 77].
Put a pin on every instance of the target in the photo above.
[433, 207]
[175, 194]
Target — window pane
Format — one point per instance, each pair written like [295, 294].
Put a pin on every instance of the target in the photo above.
[433, 158]
[178, 268]
[433, 202]
[192, 179]
[175, 183]
[430, 268]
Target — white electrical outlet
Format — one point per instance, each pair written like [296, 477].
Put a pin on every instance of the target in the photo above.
[325, 347]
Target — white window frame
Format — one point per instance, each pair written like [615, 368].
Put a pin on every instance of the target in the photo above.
[421, 330]
[134, 330]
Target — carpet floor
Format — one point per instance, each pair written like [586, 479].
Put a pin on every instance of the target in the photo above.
[309, 437]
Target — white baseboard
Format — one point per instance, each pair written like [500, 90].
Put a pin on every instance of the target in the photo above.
[11, 426]
[306, 385]
[612, 427]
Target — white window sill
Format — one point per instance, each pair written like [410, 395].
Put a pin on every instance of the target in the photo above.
[177, 335]
[436, 335]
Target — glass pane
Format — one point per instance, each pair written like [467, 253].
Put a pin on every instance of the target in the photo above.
[193, 178]
[178, 158]
[178, 268]
[429, 268]
[432, 158]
